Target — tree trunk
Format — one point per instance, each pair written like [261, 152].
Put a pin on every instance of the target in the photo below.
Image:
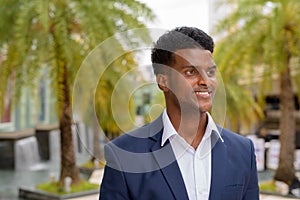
[68, 159]
[96, 139]
[68, 167]
[286, 171]
[8, 100]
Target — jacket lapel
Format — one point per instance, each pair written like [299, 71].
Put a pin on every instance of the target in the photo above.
[219, 166]
[168, 165]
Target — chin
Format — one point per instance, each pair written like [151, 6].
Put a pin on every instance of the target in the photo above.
[204, 109]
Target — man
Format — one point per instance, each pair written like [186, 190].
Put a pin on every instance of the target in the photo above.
[182, 155]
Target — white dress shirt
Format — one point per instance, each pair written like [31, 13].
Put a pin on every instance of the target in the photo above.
[195, 165]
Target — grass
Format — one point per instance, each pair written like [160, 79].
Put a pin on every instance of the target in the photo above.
[268, 186]
[52, 187]
[91, 165]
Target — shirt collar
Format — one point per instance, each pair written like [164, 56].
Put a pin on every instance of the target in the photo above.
[169, 130]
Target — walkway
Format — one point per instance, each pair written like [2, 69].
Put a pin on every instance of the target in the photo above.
[271, 197]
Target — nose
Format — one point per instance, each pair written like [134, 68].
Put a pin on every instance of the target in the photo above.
[202, 79]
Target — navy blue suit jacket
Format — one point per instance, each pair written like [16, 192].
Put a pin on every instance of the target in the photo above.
[138, 168]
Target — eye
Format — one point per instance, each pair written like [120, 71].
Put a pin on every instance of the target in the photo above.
[211, 72]
[191, 72]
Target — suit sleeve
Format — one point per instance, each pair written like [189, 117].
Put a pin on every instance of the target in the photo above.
[113, 186]
[252, 190]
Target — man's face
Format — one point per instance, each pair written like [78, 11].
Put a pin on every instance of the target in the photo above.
[192, 80]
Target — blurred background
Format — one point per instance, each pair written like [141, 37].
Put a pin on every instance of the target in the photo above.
[62, 95]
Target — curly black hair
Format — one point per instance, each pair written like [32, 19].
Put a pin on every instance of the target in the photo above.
[176, 39]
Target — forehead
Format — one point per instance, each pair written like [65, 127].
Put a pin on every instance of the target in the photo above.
[193, 57]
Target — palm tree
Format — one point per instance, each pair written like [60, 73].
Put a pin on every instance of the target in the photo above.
[56, 36]
[114, 68]
[114, 124]
[262, 42]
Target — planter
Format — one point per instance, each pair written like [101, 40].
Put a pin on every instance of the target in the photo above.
[35, 194]
[86, 171]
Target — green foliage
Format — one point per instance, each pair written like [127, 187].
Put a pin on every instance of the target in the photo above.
[91, 165]
[268, 186]
[43, 34]
[117, 107]
[53, 187]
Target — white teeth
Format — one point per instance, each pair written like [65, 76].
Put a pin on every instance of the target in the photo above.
[202, 93]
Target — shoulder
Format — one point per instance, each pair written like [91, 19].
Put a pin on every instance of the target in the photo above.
[240, 149]
[232, 136]
[235, 140]
[130, 152]
[140, 139]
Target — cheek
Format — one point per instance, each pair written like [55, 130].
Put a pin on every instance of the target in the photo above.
[180, 83]
[214, 83]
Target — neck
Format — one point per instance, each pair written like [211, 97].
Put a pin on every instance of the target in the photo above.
[190, 125]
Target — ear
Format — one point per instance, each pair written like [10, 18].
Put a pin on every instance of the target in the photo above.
[162, 82]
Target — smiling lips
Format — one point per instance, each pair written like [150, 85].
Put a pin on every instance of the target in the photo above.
[203, 94]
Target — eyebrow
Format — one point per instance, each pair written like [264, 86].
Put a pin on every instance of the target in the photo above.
[192, 66]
